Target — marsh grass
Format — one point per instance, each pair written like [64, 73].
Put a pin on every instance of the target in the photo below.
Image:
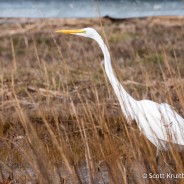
[60, 121]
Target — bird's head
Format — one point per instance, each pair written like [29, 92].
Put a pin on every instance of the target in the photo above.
[86, 32]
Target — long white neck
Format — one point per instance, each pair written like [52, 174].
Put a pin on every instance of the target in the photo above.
[127, 103]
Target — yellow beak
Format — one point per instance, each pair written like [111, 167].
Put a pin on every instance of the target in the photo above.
[71, 31]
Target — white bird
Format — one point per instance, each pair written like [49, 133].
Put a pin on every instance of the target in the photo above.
[158, 122]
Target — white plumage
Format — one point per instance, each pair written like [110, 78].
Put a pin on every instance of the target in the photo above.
[158, 122]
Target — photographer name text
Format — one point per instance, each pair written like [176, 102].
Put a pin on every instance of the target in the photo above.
[163, 175]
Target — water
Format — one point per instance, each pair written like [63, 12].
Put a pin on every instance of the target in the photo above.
[90, 8]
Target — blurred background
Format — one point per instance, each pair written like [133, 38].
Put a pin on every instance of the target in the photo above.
[90, 8]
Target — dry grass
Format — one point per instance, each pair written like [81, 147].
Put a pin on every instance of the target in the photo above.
[60, 121]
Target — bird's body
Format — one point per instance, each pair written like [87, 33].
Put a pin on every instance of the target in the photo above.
[158, 122]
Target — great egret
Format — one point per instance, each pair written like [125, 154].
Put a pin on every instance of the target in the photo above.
[158, 122]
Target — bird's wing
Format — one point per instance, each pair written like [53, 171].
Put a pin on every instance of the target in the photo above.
[161, 121]
[170, 115]
[174, 122]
